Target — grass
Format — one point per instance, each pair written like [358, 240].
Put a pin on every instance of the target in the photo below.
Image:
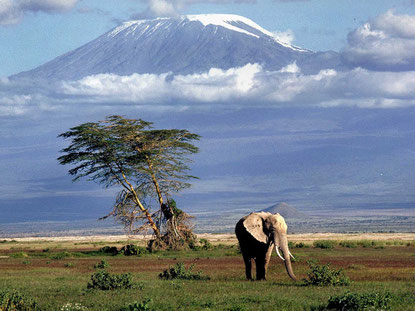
[54, 282]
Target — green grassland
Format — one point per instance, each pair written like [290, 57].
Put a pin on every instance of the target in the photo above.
[57, 273]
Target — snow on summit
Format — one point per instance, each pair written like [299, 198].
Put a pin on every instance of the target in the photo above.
[229, 21]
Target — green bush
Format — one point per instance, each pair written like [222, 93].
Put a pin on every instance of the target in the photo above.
[133, 250]
[19, 255]
[103, 280]
[203, 244]
[301, 245]
[16, 301]
[103, 264]
[323, 275]
[206, 245]
[110, 250]
[138, 306]
[348, 244]
[356, 302]
[367, 243]
[324, 244]
[179, 271]
[59, 256]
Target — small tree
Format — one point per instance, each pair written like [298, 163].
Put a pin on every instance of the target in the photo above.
[148, 164]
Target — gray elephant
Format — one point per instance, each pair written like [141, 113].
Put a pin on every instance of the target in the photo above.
[257, 234]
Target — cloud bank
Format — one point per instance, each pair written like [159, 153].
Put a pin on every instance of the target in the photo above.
[12, 11]
[384, 43]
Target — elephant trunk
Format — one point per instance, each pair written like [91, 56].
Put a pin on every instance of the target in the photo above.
[286, 253]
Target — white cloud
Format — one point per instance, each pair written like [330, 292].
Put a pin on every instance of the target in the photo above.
[286, 37]
[247, 86]
[11, 12]
[385, 43]
[162, 8]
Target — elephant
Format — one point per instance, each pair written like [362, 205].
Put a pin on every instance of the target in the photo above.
[257, 234]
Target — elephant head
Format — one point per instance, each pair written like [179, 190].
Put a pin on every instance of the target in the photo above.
[271, 228]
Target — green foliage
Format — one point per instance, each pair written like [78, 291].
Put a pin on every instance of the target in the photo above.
[127, 152]
[324, 275]
[103, 280]
[138, 306]
[356, 302]
[103, 264]
[110, 250]
[19, 255]
[301, 245]
[348, 244]
[325, 244]
[61, 255]
[367, 243]
[179, 271]
[203, 244]
[16, 301]
[133, 250]
[69, 265]
[236, 307]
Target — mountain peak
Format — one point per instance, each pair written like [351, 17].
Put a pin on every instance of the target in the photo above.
[187, 44]
[232, 22]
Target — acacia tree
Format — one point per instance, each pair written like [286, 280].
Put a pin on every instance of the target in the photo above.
[126, 152]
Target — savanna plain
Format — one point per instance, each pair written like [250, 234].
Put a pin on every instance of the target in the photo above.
[54, 273]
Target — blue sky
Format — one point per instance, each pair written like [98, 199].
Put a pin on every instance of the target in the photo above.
[337, 139]
[46, 29]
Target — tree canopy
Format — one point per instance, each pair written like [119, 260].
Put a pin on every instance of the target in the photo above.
[145, 162]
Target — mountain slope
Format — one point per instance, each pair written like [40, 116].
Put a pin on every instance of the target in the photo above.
[285, 210]
[185, 45]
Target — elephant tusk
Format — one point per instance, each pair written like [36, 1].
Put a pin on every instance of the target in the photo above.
[278, 252]
[291, 255]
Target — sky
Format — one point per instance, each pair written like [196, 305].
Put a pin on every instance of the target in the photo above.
[337, 139]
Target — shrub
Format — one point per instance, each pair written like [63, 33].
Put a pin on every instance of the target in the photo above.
[348, 244]
[133, 250]
[111, 250]
[206, 245]
[354, 301]
[102, 265]
[103, 280]
[19, 255]
[367, 243]
[301, 245]
[179, 271]
[59, 256]
[324, 244]
[69, 265]
[323, 275]
[16, 301]
[138, 306]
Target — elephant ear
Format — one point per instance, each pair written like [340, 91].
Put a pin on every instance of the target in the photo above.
[254, 224]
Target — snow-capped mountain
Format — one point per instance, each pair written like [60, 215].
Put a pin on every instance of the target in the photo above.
[189, 44]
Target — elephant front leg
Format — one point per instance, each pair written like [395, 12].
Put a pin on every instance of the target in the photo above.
[268, 256]
[248, 267]
[260, 268]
